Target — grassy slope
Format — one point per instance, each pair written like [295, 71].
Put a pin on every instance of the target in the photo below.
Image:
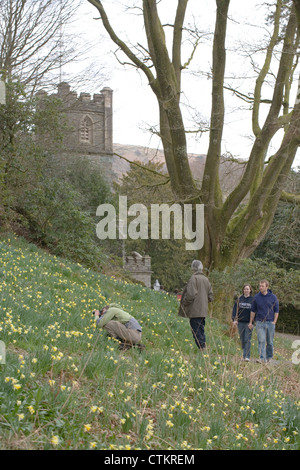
[65, 384]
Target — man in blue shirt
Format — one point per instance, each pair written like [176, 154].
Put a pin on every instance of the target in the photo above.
[265, 310]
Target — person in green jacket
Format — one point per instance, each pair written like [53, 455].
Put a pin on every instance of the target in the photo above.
[120, 325]
[194, 303]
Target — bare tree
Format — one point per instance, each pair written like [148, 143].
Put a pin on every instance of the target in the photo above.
[230, 233]
[32, 42]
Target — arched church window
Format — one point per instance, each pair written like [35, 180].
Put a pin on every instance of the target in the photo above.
[86, 130]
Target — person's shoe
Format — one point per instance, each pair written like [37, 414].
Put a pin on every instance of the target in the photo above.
[246, 359]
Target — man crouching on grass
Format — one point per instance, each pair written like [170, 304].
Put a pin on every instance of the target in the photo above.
[120, 325]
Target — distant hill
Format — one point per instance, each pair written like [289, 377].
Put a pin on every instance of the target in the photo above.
[230, 172]
[134, 153]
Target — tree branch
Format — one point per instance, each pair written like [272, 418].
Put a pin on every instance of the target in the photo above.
[177, 40]
[290, 197]
[264, 70]
[136, 61]
[254, 172]
[211, 186]
[248, 98]
[154, 185]
[142, 167]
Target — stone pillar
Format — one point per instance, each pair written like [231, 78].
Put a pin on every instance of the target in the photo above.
[63, 89]
[139, 267]
[108, 119]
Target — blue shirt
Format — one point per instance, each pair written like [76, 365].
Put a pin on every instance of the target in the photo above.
[265, 306]
[243, 305]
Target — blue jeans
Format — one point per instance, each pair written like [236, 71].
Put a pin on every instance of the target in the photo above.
[245, 337]
[265, 335]
[197, 325]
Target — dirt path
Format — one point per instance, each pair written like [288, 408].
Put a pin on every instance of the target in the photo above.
[288, 336]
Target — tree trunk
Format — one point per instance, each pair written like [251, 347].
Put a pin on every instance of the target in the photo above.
[167, 91]
[211, 190]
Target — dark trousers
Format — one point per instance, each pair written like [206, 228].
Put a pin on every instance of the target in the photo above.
[197, 325]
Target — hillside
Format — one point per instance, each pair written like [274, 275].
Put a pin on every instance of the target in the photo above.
[65, 385]
[230, 171]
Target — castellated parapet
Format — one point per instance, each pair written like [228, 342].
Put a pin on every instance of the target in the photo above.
[139, 267]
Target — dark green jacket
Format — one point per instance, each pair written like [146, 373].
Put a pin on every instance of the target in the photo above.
[195, 297]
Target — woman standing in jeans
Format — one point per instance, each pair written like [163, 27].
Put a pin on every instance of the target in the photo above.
[241, 317]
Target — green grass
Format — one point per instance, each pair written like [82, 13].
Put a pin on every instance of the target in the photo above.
[65, 384]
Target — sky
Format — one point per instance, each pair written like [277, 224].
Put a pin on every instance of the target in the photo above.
[135, 106]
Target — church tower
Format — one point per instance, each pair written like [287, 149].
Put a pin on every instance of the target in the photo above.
[89, 129]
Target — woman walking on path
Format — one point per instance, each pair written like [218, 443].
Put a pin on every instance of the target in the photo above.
[241, 317]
